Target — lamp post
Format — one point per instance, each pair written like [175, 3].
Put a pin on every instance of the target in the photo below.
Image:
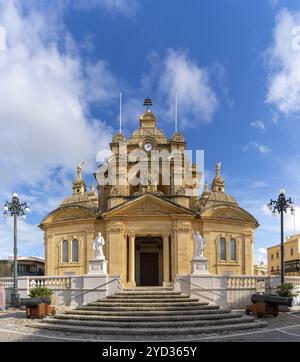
[280, 206]
[15, 209]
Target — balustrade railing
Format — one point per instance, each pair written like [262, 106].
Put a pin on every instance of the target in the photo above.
[6, 282]
[240, 282]
[63, 282]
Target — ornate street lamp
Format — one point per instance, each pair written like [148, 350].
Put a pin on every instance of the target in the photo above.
[280, 206]
[15, 209]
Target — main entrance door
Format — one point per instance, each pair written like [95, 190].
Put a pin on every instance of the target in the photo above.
[149, 273]
[148, 262]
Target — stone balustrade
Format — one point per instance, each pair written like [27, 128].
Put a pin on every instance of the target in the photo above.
[227, 291]
[63, 282]
[67, 290]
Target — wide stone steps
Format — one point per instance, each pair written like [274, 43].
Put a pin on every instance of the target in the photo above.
[149, 311]
[151, 331]
[146, 303]
[158, 307]
[142, 319]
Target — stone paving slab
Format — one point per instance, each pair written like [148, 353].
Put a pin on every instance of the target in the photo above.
[15, 327]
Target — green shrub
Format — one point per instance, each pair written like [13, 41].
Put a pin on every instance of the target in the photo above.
[40, 292]
[286, 290]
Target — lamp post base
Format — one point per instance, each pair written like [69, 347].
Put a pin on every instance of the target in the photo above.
[15, 299]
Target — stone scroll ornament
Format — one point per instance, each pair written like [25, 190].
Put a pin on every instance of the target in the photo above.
[97, 246]
[199, 245]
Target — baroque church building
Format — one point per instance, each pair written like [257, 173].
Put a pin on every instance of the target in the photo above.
[148, 227]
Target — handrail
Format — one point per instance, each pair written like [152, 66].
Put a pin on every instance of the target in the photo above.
[198, 286]
[91, 290]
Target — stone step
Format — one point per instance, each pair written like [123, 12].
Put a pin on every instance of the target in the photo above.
[247, 324]
[148, 325]
[145, 304]
[147, 297]
[147, 289]
[140, 313]
[146, 301]
[180, 308]
[144, 319]
[147, 294]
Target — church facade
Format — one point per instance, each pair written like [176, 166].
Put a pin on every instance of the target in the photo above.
[146, 221]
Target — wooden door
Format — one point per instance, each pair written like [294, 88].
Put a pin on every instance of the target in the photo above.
[149, 269]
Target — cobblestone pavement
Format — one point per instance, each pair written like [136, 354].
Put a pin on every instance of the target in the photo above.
[15, 327]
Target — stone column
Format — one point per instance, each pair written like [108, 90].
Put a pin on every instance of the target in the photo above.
[166, 262]
[131, 282]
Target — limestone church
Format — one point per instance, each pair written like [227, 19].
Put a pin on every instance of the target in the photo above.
[148, 228]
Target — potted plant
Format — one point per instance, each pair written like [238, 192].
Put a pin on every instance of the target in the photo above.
[39, 303]
[41, 293]
[285, 290]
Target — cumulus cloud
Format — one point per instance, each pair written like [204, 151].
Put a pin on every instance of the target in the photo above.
[258, 125]
[283, 59]
[258, 147]
[45, 122]
[197, 100]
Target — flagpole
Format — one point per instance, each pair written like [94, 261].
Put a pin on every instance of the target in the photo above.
[176, 111]
[120, 112]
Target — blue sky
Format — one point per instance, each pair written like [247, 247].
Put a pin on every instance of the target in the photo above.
[233, 62]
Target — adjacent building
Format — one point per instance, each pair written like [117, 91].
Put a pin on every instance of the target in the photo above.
[291, 257]
[148, 227]
[27, 266]
[261, 269]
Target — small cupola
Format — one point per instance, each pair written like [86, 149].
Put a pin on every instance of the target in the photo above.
[148, 119]
[79, 186]
[218, 182]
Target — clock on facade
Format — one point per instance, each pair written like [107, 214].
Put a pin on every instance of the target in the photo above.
[148, 146]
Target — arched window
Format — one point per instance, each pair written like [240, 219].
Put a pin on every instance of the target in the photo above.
[222, 249]
[232, 249]
[65, 251]
[75, 251]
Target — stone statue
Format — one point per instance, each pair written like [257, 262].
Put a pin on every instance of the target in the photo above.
[79, 171]
[199, 245]
[97, 246]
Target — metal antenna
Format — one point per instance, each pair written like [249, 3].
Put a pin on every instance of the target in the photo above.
[120, 112]
[176, 111]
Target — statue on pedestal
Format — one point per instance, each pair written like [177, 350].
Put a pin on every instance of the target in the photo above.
[97, 246]
[199, 245]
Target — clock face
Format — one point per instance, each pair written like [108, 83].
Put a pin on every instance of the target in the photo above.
[148, 147]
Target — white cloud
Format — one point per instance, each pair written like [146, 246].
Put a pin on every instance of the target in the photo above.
[30, 238]
[258, 125]
[283, 62]
[124, 7]
[197, 102]
[44, 86]
[261, 255]
[258, 147]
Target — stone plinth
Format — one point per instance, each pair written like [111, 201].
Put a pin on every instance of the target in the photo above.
[200, 266]
[97, 266]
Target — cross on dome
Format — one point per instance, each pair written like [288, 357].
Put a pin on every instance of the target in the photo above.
[148, 103]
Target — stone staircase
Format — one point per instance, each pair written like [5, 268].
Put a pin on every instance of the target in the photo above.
[149, 311]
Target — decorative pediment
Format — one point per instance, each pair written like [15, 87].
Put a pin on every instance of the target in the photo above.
[230, 213]
[68, 214]
[148, 205]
